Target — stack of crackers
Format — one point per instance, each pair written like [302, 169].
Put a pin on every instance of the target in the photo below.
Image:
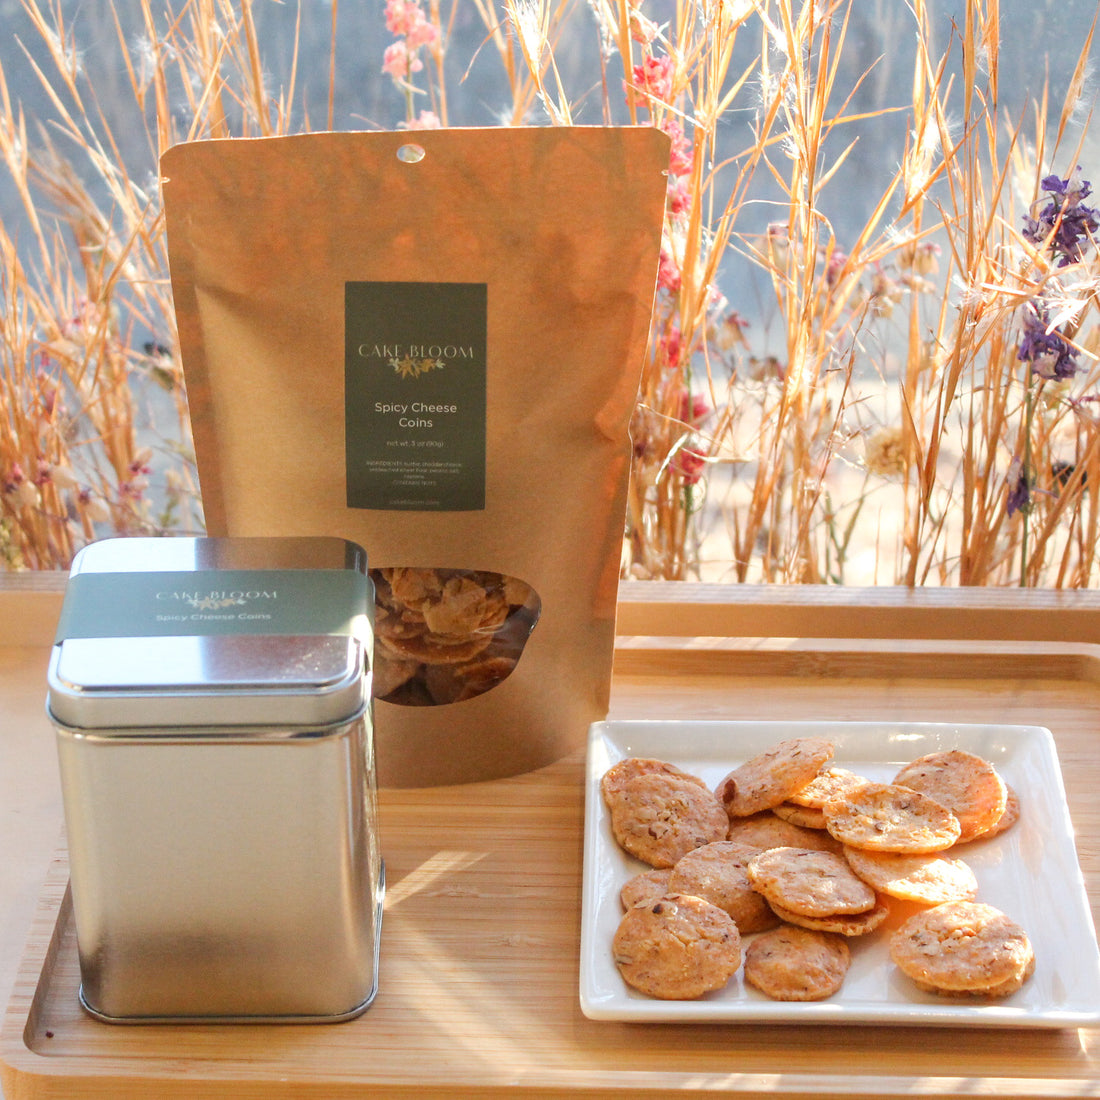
[447, 635]
[805, 857]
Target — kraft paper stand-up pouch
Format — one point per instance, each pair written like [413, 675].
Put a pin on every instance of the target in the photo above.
[430, 344]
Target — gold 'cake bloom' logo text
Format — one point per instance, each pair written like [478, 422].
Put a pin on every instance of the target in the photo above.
[414, 361]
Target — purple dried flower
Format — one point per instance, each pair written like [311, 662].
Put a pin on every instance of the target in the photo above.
[1064, 222]
[1072, 188]
[1019, 488]
[1062, 473]
[1051, 355]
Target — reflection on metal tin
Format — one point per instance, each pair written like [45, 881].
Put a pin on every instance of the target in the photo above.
[211, 699]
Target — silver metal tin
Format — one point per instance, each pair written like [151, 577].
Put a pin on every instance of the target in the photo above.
[211, 699]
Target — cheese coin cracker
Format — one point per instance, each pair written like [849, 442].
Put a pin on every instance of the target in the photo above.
[928, 879]
[963, 946]
[817, 884]
[770, 777]
[677, 948]
[965, 783]
[843, 924]
[887, 817]
[658, 817]
[797, 964]
[718, 873]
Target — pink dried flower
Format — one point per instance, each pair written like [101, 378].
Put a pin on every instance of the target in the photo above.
[654, 77]
[921, 257]
[406, 18]
[134, 488]
[397, 16]
[885, 293]
[423, 34]
[73, 327]
[668, 273]
[731, 332]
[834, 266]
[94, 508]
[18, 489]
[766, 369]
[47, 391]
[679, 195]
[426, 120]
[398, 62]
[671, 346]
[694, 409]
[642, 30]
[779, 241]
[690, 463]
[681, 158]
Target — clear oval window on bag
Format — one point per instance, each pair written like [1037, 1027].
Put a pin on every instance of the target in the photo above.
[447, 635]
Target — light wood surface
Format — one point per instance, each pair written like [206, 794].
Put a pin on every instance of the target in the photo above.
[31, 602]
[478, 994]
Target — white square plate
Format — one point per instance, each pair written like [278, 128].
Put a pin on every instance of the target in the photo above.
[1030, 872]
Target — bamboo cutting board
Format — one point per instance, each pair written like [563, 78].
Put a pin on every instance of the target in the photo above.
[478, 993]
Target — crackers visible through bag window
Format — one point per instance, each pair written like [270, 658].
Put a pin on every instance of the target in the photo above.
[447, 635]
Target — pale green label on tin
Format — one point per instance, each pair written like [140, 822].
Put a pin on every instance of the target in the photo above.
[415, 395]
[234, 601]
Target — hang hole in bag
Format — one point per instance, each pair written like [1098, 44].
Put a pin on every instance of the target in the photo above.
[410, 154]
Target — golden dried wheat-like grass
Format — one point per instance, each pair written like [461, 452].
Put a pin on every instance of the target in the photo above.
[879, 425]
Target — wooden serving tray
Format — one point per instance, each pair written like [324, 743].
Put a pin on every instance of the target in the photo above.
[478, 993]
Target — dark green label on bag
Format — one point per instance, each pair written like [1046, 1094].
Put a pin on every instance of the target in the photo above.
[414, 395]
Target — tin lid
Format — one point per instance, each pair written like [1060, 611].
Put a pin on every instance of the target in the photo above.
[158, 634]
